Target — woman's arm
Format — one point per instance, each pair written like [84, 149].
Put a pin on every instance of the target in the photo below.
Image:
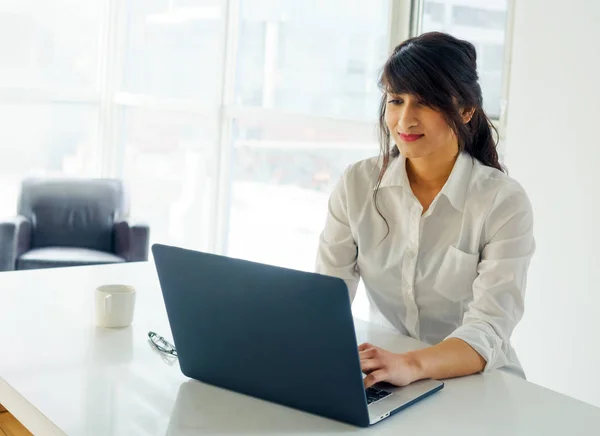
[338, 252]
[450, 358]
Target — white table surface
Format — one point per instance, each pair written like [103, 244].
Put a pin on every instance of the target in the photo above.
[59, 374]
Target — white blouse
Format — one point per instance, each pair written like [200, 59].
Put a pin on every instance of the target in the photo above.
[458, 270]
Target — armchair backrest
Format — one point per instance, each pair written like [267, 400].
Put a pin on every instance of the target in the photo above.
[72, 212]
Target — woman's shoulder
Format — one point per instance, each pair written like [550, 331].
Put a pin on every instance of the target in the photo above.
[497, 186]
[364, 172]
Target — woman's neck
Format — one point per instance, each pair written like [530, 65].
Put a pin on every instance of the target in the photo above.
[430, 172]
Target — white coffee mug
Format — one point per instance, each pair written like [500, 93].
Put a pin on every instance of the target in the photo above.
[115, 305]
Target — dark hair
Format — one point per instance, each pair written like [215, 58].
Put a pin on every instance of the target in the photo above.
[442, 71]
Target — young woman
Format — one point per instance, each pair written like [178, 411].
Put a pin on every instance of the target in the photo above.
[440, 235]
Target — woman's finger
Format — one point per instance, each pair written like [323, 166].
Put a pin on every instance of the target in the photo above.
[375, 377]
[367, 354]
[369, 365]
[365, 346]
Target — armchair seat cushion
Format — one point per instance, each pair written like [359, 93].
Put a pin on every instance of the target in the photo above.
[51, 257]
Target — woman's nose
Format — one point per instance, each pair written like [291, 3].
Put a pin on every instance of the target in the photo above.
[407, 118]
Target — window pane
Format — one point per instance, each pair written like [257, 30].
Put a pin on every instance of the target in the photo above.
[313, 56]
[175, 49]
[49, 43]
[283, 174]
[43, 140]
[168, 163]
[483, 23]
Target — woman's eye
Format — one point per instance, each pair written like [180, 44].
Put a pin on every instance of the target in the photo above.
[395, 101]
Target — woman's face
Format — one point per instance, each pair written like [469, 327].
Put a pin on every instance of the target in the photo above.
[418, 130]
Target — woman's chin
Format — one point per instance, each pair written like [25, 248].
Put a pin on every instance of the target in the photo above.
[414, 150]
[411, 151]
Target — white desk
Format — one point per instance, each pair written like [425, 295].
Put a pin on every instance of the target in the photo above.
[59, 374]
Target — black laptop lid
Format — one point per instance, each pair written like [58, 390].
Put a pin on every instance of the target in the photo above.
[282, 335]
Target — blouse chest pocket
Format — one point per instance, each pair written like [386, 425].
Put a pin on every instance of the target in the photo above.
[457, 272]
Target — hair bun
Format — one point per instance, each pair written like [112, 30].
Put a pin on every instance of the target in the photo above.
[470, 50]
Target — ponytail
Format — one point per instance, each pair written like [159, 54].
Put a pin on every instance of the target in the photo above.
[478, 139]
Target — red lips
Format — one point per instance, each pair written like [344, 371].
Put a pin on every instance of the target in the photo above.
[410, 138]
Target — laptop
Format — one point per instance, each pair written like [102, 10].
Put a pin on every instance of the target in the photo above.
[273, 333]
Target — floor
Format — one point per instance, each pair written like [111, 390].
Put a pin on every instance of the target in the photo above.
[9, 426]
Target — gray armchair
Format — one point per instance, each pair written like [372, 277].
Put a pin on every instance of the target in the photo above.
[70, 222]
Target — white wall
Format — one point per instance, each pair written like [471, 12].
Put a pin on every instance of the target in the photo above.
[553, 149]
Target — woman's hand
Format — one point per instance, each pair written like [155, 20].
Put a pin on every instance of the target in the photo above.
[384, 366]
[450, 358]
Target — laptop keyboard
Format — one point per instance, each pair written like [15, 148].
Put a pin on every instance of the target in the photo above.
[374, 394]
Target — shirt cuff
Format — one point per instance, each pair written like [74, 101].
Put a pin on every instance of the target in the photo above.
[483, 339]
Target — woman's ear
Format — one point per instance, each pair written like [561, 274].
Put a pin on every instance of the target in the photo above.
[467, 114]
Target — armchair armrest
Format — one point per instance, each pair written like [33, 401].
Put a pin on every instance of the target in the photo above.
[15, 239]
[131, 241]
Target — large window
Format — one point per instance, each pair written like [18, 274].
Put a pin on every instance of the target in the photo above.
[230, 120]
[482, 22]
